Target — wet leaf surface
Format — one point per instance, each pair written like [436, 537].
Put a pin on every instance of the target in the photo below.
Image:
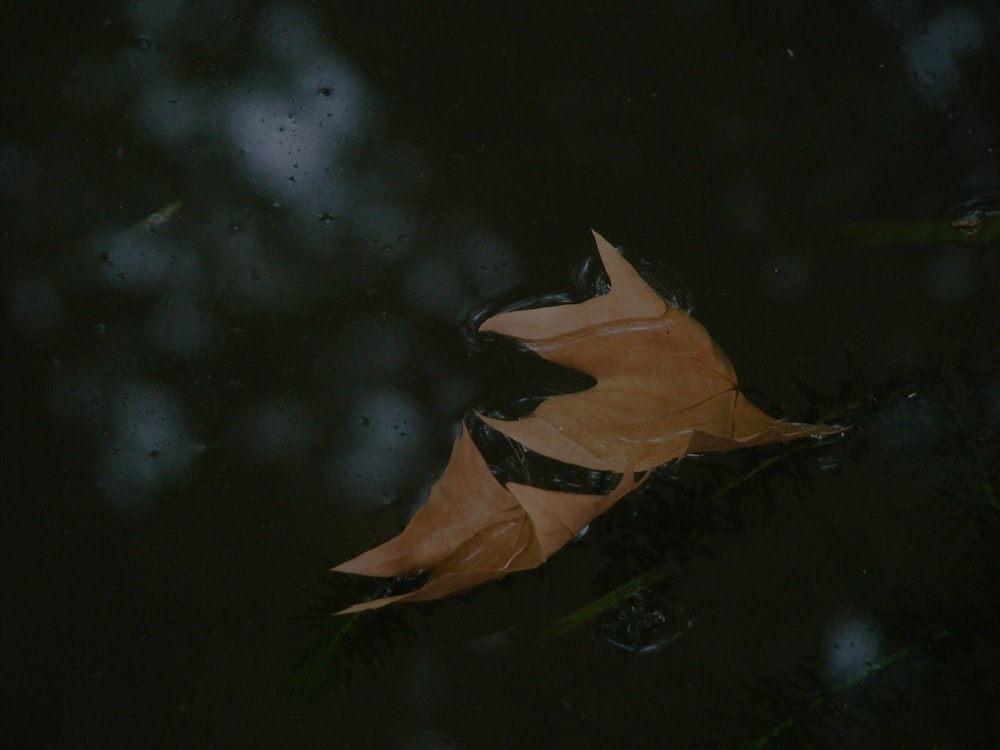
[664, 390]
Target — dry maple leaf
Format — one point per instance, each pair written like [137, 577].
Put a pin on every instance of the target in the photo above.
[473, 529]
[664, 388]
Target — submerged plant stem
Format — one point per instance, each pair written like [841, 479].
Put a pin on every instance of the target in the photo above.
[762, 466]
[585, 614]
[852, 682]
[975, 230]
[310, 678]
[596, 607]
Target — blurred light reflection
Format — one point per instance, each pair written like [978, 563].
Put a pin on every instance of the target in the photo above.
[146, 446]
[386, 433]
[135, 263]
[852, 644]
[934, 51]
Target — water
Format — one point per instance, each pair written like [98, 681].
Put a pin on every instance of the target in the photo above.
[242, 244]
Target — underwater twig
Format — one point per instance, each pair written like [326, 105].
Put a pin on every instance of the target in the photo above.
[855, 680]
[337, 641]
[596, 607]
[767, 463]
[312, 675]
[592, 609]
[151, 223]
[974, 228]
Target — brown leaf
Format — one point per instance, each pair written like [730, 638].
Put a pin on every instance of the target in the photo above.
[472, 529]
[664, 388]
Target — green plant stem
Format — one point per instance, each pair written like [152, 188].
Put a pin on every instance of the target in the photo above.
[854, 681]
[762, 466]
[591, 610]
[309, 678]
[983, 227]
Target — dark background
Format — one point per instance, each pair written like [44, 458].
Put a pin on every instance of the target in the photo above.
[201, 419]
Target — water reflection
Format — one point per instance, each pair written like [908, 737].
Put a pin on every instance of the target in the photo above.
[852, 644]
[289, 203]
[139, 263]
[385, 433]
[147, 446]
[935, 50]
[288, 143]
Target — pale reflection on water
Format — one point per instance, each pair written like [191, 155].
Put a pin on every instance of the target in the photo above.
[146, 447]
[852, 645]
[935, 52]
[385, 433]
[298, 129]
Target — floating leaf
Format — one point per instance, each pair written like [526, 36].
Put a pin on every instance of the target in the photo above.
[664, 390]
[473, 529]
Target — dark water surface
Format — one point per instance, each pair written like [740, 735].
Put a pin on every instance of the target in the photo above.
[241, 244]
